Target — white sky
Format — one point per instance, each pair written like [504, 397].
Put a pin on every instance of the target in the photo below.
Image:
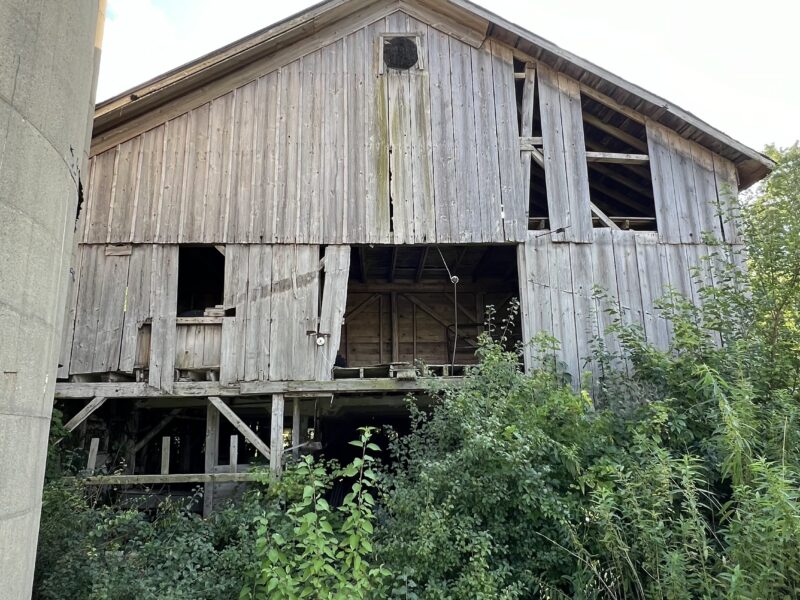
[733, 63]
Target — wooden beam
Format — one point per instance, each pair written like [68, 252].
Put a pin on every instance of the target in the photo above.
[250, 435]
[91, 461]
[617, 158]
[421, 264]
[296, 428]
[156, 430]
[207, 478]
[623, 180]
[166, 443]
[602, 216]
[276, 435]
[210, 459]
[233, 453]
[615, 132]
[395, 329]
[84, 413]
[616, 195]
[528, 143]
[612, 104]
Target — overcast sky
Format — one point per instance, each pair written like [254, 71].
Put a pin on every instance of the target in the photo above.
[733, 63]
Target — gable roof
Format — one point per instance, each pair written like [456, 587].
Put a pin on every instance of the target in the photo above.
[462, 19]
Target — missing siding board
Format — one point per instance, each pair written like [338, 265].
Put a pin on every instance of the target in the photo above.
[620, 186]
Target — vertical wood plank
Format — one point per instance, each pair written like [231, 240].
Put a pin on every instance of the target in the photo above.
[86, 314]
[296, 423]
[122, 219]
[210, 456]
[508, 143]
[99, 203]
[663, 187]
[488, 158]
[172, 179]
[580, 224]
[683, 182]
[334, 299]
[233, 453]
[219, 168]
[137, 304]
[727, 195]
[164, 298]
[166, 442]
[376, 125]
[149, 185]
[197, 169]
[276, 435]
[555, 171]
[241, 193]
[442, 140]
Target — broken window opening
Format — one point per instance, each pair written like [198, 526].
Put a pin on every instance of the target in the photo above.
[201, 280]
[620, 181]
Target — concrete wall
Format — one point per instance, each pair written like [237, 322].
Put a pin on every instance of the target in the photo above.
[49, 51]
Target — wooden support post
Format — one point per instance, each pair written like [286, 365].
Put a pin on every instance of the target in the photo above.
[212, 444]
[395, 330]
[250, 435]
[166, 442]
[296, 428]
[276, 435]
[92, 460]
[84, 413]
[602, 216]
[233, 458]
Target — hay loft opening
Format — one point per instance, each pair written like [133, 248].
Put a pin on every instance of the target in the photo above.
[404, 310]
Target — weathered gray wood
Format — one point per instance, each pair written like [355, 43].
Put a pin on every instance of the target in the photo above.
[526, 131]
[209, 479]
[489, 155]
[233, 453]
[706, 192]
[240, 425]
[620, 158]
[334, 302]
[175, 135]
[276, 435]
[442, 139]
[563, 307]
[580, 225]
[164, 298]
[555, 170]
[125, 188]
[91, 461]
[515, 224]
[84, 413]
[137, 304]
[148, 194]
[468, 228]
[258, 313]
[210, 456]
[651, 284]
[727, 195]
[86, 313]
[111, 312]
[166, 443]
[376, 124]
[684, 189]
[296, 423]
[663, 188]
[99, 199]
[220, 151]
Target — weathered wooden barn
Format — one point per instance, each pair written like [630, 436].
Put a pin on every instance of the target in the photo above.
[299, 228]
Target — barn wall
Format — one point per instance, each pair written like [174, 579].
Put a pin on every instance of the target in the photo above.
[633, 268]
[692, 186]
[301, 154]
[279, 294]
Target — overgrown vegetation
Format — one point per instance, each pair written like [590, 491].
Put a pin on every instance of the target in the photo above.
[676, 479]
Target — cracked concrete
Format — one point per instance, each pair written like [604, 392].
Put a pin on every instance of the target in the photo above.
[47, 77]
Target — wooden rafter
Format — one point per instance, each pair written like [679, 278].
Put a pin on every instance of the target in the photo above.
[84, 413]
[616, 132]
[602, 216]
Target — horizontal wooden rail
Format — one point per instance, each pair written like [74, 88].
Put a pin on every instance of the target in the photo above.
[173, 478]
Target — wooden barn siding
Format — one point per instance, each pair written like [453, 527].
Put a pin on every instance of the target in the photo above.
[634, 269]
[274, 289]
[690, 186]
[276, 293]
[310, 153]
[566, 172]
